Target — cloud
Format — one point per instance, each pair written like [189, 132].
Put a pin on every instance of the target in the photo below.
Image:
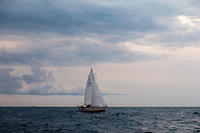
[58, 50]
[79, 17]
[37, 76]
[193, 22]
[74, 33]
[40, 82]
[195, 3]
[8, 83]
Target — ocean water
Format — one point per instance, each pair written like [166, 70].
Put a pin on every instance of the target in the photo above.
[114, 120]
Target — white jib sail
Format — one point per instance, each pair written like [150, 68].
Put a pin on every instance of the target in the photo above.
[93, 95]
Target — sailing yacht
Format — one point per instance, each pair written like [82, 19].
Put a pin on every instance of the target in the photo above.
[93, 101]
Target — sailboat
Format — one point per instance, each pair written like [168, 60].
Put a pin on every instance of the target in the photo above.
[93, 101]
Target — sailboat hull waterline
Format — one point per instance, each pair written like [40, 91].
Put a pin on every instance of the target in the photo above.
[92, 109]
[93, 101]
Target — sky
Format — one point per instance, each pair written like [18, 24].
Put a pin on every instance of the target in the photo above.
[144, 52]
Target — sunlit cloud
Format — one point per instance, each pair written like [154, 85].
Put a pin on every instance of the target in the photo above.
[190, 21]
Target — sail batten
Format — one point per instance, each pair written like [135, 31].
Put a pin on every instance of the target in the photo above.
[93, 94]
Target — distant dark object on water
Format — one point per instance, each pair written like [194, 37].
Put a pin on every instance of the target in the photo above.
[24, 125]
[30, 122]
[46, 124]
[197, 113]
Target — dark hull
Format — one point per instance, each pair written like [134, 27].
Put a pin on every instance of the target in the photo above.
[92, 109]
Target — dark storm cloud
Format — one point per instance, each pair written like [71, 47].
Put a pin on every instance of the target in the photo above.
[76, 17]
[30, 58]
[111, 22]
[8, 83]
[70, 53]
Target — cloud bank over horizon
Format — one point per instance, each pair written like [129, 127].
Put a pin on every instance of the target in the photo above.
[62, 35]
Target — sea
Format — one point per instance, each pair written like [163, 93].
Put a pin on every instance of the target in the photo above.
[113, 120]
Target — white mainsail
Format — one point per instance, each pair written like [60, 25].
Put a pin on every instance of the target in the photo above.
[93, 95]
[88, 89]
